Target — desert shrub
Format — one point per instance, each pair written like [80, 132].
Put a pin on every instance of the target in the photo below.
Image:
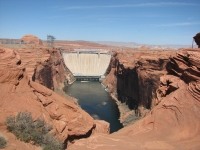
[50, 143]
[26, 129]
[2, 142]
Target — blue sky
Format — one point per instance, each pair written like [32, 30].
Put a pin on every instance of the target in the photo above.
[140, 21]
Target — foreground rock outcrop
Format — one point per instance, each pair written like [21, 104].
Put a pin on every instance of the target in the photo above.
[19, 93]
[173, 123]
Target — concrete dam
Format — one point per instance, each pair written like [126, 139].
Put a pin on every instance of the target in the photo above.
[87, 64]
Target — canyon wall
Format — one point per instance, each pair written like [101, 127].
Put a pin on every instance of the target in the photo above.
[46, 66]
[133, 80]
[161, 88]
[24, 73]
[173, 121]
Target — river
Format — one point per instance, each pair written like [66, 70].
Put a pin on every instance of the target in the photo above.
[96, 101]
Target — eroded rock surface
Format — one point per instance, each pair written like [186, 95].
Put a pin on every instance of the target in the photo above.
[174, 121]
[45, 66]
[134, 79]
[19, 93]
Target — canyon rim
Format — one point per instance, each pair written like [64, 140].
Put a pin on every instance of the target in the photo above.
[157, 92]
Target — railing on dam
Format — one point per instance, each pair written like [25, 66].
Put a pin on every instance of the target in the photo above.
[90, 64]
[87, 78]
[89, 51]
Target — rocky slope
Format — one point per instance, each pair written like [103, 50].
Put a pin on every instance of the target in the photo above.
[173, 123]
[20, 92]
[168, 87]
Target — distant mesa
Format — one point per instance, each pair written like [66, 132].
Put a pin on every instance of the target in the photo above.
[144, 48]
[31, 39]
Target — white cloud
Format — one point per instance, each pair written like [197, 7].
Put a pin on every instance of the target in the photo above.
[177, 24]
[129, 5]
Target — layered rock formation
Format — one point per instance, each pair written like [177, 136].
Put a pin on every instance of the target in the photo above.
[133, 80]
[31, 39]
[173, 123]
[19, 93]
[185, 65]
[168, 87]
[46, 66]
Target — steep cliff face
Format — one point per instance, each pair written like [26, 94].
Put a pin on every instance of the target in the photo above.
[46, 66]
[51, 73]
[134, 78]
[173, 123]
[44, 74]
[60, 73]
[20, 93]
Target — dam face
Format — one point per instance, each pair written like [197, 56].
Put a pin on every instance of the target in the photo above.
[90, 65]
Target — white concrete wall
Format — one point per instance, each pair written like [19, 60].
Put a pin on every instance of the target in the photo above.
[87, 64]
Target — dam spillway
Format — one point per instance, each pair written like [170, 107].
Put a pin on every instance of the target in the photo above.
[89, 64]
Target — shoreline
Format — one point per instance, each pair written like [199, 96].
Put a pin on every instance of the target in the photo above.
[127, 116]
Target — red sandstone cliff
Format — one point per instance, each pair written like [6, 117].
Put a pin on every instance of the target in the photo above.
[133, 80]
[46, 66]
[19, 93]
[173, 123]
